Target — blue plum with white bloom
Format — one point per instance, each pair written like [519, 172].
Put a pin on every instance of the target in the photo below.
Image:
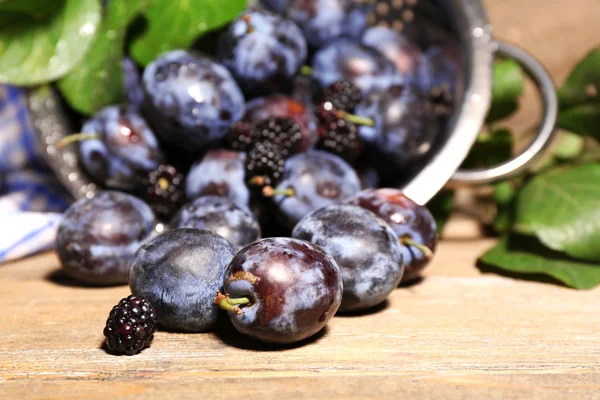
[132, 83]
[191, 101]
[125, 148]
[363, 245]
[220, 173]
[263, 51]
[179, 272]
[310, 181]
[321, 20]
[362, 65]
[98, 237]
[222, 216]
[294, 289]
[408, 59]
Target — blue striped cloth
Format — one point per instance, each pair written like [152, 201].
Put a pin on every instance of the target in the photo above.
[31, 199]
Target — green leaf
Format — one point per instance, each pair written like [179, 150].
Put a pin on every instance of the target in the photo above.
[37, 9]
[509, 81]
[34, 51]
[176, 24]
[562, 208]
[98, 81]
[583, 120]
[583, 86]
[526, 256]
[569, 146]
[491, 148]
[503, 220]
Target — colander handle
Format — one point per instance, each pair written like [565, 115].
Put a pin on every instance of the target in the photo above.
[545, 132]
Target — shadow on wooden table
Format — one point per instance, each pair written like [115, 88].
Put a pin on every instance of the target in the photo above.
[231, 337]
[537, 278]
[58, 277]
[372, 310]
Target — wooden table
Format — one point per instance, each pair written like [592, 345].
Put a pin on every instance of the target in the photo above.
[458, 334]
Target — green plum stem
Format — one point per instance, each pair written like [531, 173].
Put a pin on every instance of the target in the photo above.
[357, 119]
[306, 70]
[424, 249]
[269, 191]
[76, 137]
[228, 304]
[238, 301]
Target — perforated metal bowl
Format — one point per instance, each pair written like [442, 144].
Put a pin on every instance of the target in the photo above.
[478, 47]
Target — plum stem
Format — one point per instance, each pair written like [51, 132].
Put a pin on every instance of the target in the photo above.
[424, 249]
[229, 304]
[258, 180]
[76, 137]
[356, 119]
[249, 28]
[306, 70]
[269, 191]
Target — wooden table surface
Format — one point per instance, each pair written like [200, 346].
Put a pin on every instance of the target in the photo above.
[458, 334]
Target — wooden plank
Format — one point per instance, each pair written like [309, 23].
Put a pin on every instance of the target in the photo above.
[458, 334]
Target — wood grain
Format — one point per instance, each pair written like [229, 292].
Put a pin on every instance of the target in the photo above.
[459, 334]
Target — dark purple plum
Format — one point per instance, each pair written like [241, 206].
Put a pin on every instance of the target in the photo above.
[294, 289]
[263, 51]
[446, 81]
[405, 126]
[365, 248]
[278, 6]
[220, 173]
[190, 100]
[362, 65]
[310, 181]
[412, 223]
[320, 20]
[125, 148]
[221, 216]
[408, 59]
[278, 105]
[179, 272]
[97, 237]
[369, 177]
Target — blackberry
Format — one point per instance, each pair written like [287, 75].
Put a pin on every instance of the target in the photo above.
[130, 326]
[441, 99]
[285, 133]
[343, 95]
[340, 137]
[240, 136]
[164, 190]
[264, 165]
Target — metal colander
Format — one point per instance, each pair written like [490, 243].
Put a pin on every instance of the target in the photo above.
[466, 19]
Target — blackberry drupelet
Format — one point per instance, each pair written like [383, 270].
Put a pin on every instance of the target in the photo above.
[283, 132]
[240, 136]
[130, 326]
[286, 133]
[343, 95]
[442, 100]
[164, 190]
[264, 165]
[340, 137]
